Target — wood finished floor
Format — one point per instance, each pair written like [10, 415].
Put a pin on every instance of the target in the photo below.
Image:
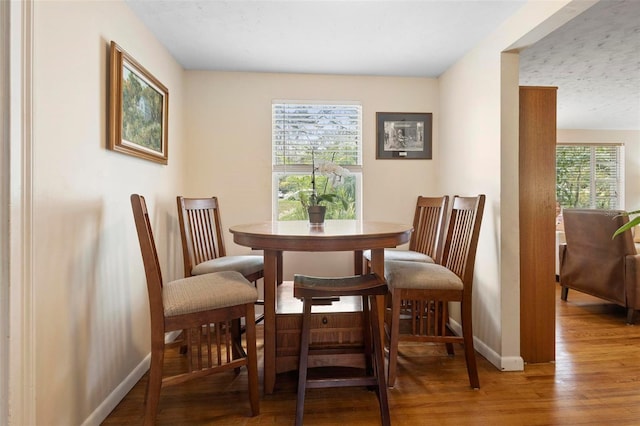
[594, 381]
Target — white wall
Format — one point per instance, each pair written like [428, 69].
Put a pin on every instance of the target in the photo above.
[228, 125]
[479, 154]
[631, 141]
[90, 298]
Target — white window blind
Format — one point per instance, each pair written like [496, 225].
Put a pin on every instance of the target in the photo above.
[590, 175]
[332, 131]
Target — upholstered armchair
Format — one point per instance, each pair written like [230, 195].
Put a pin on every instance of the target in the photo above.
[593, 262]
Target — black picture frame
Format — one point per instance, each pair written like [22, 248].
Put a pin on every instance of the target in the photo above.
[403, 135]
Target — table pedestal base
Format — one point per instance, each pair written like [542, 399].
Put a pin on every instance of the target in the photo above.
[334, 327]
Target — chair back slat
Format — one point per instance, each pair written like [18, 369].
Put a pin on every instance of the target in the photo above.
[201, 224]
[149, 258]
[201, 231]
[428, 223]
[462, 236]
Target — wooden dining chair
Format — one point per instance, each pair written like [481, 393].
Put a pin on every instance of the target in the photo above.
[192, 305]
[431, 286]
[426, 241]
[425, 244]
[203, 247]
[316, 290]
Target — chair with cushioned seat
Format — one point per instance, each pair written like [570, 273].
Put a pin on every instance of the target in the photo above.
[425, 244]
[192, 305]
[430, 287]
[203, 245]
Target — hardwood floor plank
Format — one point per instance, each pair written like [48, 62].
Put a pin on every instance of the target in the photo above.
[594, 381]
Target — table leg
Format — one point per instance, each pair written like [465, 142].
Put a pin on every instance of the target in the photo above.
[377, 266]
[279, 269]
[357, 262]
[272, 262]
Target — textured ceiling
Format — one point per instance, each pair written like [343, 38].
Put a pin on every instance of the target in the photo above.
[409, 38]
[594, 60]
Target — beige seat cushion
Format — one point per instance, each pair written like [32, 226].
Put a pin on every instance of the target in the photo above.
[246, 265]
[408, 255]
[205, 292]
[418, 275]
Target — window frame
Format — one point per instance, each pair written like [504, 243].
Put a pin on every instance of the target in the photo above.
[277, 170]
[592, 171]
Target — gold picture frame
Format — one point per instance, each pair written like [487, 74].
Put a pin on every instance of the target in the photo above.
[138, 109]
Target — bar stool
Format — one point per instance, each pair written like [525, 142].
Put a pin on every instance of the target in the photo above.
[318, 290]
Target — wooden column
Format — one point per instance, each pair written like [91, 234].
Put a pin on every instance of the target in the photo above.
[537, 213]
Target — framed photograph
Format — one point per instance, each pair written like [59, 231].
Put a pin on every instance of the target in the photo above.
[138, 109]
[403, 135]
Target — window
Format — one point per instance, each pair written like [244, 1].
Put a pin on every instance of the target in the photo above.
[590, 176]
[308, 135]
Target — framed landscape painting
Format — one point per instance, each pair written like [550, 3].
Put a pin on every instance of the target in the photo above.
[403, 135]
[138, 109]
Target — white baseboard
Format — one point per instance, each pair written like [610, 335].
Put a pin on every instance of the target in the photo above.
[512, 363]
[118, 394]
[502, 363]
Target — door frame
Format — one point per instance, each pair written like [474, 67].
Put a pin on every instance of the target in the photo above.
[17, 353]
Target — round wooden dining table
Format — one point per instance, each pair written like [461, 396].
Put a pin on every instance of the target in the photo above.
[273, 238]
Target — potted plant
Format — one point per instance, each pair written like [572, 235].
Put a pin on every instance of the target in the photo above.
[315, 209]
